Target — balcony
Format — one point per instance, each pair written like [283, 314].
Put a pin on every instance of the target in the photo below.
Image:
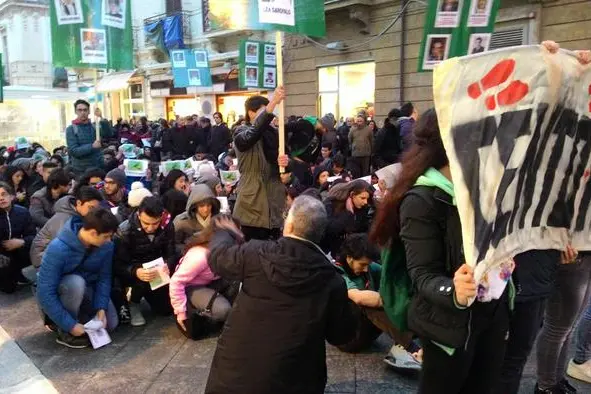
[185, 18]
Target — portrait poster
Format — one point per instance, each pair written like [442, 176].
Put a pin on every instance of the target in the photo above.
[448, 13]
[269, 77]
[114, 13]
[251, 76]
[94, 45]
[200, 59]
[69, 12]
[194, 77]
[270, 55]
[252, 53]
[479, 43]
[436, 50]
[178, 59]
[480, 11]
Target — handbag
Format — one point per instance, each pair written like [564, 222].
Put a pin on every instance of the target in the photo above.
[200, 323]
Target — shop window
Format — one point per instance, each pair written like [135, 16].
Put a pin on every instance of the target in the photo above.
[345, 90]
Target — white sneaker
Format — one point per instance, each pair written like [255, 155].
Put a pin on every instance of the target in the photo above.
[580, 372]
[137, 319]
[399, 358]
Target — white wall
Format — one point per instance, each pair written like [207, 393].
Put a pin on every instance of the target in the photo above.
[142, 9]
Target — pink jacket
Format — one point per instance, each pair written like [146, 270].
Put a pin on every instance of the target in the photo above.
[192, 270]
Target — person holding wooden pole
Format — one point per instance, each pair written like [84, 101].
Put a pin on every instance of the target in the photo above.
[83, 143]
[261, 195]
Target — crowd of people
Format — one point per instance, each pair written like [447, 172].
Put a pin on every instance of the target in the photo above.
[352, 233]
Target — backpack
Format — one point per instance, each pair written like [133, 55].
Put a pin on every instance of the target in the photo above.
[395, 285]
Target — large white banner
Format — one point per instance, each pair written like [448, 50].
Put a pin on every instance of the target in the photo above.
[515, 124]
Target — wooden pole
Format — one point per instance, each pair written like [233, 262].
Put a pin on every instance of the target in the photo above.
[279, 55]
[97, 120]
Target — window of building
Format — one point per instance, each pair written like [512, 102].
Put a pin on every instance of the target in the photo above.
[345, 90]
[173, 6]
[509, 35]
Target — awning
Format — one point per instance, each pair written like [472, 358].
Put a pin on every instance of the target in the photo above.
[114, 81]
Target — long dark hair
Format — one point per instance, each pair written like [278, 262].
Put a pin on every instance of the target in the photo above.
[10, 171]
[426, 151]
[203, 237]
[170, 180]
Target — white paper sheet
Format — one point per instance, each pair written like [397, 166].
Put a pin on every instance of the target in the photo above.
[97, 334]
[163, 278]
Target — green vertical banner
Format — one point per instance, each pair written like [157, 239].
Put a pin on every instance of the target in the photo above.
[456, 28]
[257, 64]
[92, 34]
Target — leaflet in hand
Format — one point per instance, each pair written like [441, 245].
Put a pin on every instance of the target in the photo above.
[97, 334]
[163, 278]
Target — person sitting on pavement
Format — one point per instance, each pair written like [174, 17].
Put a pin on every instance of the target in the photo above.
[39, 179]
[362, 277]
[146, 236]
[194, 282]
[17, 231]
[84, 200]
[294, 300]
[43, 201]
[17, 178]
[115, 194]
[177, 180]
[94, 177]
[212, 181]
[201, 207]
[74, 283]
[175, 202]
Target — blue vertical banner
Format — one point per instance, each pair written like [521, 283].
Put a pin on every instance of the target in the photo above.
[190, 67]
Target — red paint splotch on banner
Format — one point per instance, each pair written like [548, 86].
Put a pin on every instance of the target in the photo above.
[586, 173]
[498, 75]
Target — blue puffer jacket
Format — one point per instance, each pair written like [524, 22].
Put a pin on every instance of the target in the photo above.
[82, 154]
[66, 255]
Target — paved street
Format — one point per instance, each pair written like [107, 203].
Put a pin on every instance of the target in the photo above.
[157, 359]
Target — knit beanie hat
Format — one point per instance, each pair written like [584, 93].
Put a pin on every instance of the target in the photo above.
[328, 121]
[137, 194]
[117, 175]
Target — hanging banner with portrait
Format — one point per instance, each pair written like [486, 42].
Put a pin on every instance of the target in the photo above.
[257, 65]
[190, 67]
[92, 34]
[516, 125]
[456, 28]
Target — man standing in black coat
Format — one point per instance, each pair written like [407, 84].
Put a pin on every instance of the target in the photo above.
[220, 137]
[292, 301]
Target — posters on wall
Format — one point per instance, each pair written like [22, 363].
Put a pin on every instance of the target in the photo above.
[516, 128]
[258, 65]
[190, 67]
[456, 28]
[91, 34]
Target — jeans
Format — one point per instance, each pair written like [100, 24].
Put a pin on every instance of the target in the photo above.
[563, 308]
[199, 296]
[158, 299]
[77, 298]
[583, 353]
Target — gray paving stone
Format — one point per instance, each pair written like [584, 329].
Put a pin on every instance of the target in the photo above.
[341, 373]
[180, 380]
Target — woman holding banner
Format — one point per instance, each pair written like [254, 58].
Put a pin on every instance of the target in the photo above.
[460, 341]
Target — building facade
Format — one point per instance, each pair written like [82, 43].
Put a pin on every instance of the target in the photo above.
[377, 72]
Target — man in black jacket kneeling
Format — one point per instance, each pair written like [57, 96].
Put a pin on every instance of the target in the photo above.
[292, 301]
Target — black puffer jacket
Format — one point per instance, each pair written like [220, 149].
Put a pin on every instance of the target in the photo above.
[133, 247]
[388, 144]
[432, 235]
[219, 140]
[180, 141]
[292, 301]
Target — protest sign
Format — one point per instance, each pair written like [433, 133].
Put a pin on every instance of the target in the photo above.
[456, 28]
[516, 128]
[229, 177]
[136, 167]
[190, 67]
[257, 64]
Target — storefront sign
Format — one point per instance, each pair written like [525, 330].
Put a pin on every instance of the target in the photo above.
[258, 64]
[190, 67]
[305, 17]
[456, 28]
[91, 34]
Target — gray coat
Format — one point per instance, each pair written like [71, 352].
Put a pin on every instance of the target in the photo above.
[360, 141]
[64, 209]
[186, 224]
[41, 207]
[261, 195]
